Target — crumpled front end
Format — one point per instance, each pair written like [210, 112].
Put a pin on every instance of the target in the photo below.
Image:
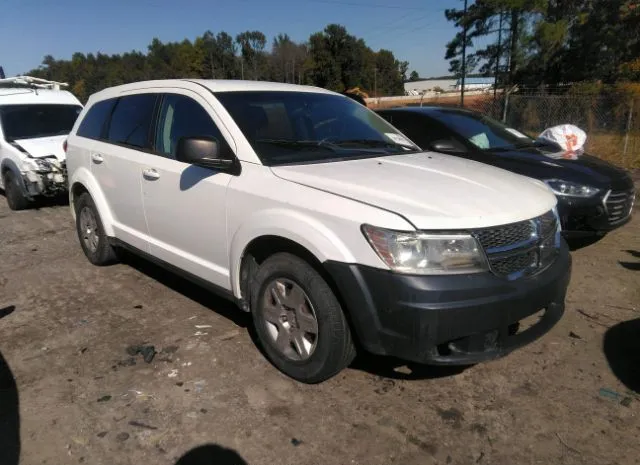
[46, 176]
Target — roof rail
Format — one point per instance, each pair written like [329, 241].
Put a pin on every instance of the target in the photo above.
[30, 81]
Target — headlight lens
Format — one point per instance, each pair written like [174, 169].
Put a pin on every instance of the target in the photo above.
[571, 189]
[420, 253]
[40, 164]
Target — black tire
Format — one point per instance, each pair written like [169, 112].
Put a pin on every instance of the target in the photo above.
[15, 198]
[99, 252]
[333, 350]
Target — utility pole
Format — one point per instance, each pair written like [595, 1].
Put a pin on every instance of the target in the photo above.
[213, 74]
[464, 52]
[498, 52]
[375, 81]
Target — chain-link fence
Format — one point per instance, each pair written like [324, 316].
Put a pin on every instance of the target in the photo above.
[612, 123]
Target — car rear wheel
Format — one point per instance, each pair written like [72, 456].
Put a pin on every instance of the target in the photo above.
[299, 321]
[15, 198]
[93, 239]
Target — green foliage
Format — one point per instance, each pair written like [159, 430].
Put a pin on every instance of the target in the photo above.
[339, 61]
[333, 59]
[550, 41]
[414, 76]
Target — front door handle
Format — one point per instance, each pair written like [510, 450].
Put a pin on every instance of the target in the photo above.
[150, 174]
[97, 158]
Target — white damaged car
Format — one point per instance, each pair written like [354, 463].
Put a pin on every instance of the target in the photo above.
[35, 119]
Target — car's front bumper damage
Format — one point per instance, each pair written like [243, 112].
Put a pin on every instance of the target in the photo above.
[48, 178]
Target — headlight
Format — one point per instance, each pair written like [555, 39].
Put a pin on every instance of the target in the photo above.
[40, 164]
[420, 253]
[571, 189]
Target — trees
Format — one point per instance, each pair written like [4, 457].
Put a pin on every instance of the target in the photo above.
[333, 59]
[287, 59]
[414, 76]
[508, 19]
[339, 61]
[252, 45]
[550, 41]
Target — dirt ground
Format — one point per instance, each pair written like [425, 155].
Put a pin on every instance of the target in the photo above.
[75, 395]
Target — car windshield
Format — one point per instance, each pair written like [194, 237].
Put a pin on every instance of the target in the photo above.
[308, 127]
[39, 120]
[483, 132]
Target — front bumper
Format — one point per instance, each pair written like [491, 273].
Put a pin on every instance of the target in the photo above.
[49, 183]
[456, 320]
[587, 217]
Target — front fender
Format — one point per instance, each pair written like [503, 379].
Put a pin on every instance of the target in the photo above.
[11, 165]
[302, 229]
[84, 177]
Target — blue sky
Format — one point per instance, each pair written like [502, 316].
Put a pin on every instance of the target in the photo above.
[415, 30]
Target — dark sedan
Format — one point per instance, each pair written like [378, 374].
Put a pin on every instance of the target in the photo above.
[594, 197]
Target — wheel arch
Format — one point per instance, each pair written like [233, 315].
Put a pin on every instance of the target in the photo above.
[263, 247]
[284, 230]
[8, 165]
[83, 182]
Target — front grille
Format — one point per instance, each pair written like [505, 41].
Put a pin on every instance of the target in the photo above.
[505, 236]
[523, 248]
[619, 205]
[514, 264]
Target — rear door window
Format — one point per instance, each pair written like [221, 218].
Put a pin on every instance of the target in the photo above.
[131, 121]
[94, 121]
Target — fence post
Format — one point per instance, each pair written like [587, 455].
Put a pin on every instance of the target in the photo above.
[506, 105]
[628, 130]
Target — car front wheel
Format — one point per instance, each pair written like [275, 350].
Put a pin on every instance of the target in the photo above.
[299, 321]
[15, 198]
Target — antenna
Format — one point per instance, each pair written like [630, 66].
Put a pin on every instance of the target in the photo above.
[32, 82]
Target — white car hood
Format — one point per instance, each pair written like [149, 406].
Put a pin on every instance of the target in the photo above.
[44, 146]
[432, 191]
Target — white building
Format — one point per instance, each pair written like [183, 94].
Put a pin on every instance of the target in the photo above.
[428, 85]
[447, 85]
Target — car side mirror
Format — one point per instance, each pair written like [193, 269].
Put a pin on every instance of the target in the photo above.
[203, 151]
[447, 146]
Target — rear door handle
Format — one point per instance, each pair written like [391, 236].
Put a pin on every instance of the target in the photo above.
[97, 158]
[150, 174]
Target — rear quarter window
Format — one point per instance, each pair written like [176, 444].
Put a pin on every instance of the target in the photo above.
[95, 120]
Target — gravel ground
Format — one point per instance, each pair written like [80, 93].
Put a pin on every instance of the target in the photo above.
[80, 397]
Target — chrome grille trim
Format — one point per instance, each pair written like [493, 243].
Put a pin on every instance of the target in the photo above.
[618, 205]
[523, 248]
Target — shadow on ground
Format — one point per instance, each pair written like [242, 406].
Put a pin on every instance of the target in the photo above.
[9, 410]
[634, 266]
[393, 368]
[44, 202]
[190, 290]
[385, 367]
[211, 454]
[622, 349]
[582, 242]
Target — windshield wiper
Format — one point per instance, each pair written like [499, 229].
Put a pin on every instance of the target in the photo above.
[509, 148]
[297, 143]
[374, 143]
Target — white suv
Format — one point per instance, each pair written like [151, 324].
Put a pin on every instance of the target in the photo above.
[35, 117]
[319, 218]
